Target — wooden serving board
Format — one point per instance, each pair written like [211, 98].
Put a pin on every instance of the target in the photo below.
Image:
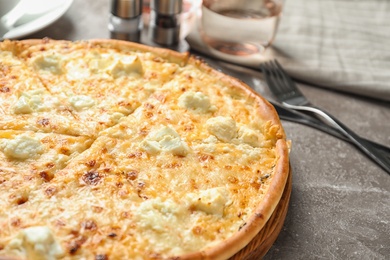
[264, 240]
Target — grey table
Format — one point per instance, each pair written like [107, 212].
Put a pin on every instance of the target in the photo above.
[340, 203]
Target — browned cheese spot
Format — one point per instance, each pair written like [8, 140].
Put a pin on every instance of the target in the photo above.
[43, 122]
[91, 178]
[131, 175]
[101, 257]
[4, 89]
[47, 176]
[50, 191]
[75, 244]
[88, 224]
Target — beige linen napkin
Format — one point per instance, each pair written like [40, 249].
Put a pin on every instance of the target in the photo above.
[338, 44]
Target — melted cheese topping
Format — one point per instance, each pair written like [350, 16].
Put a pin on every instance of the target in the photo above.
[121, 154]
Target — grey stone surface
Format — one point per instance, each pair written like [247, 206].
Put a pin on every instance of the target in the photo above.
[340, 203]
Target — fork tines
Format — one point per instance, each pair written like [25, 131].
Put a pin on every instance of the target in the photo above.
[279, 82]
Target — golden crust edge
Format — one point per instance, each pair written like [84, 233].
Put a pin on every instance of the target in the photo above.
[257, 221]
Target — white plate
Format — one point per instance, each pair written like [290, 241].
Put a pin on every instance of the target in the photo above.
[34, 25]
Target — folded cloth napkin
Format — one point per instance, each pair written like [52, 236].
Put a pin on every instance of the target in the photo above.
[338, 44]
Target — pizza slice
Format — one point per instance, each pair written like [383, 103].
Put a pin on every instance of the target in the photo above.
[98, 85]
[27, 104]
[27, 155]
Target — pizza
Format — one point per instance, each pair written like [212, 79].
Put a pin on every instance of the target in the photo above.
[116, 150]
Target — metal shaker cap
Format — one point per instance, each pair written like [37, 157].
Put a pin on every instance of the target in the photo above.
[167, 7]
[126, 8]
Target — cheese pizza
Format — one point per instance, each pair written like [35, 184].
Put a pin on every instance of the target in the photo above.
[116, 150]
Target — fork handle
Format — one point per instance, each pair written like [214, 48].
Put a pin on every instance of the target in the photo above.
[308, 120]
[362, 144]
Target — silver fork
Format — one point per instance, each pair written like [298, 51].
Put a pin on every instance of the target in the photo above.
[287, 93]
[312, 121]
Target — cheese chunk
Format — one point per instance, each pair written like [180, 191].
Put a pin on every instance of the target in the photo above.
[36, 243]
[7, 55]
[165, 139]
[23, 106]
[157, 214]
[49, 63]
[224, 128]
[76, 70]
[126, 66]
[116, 65]
[210, 201]
[81, 102]
[196, 101]
[35, 101]
[22, 147]
[248, 136]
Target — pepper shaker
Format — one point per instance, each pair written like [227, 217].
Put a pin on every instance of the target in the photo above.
[125, 21]
[164, 25]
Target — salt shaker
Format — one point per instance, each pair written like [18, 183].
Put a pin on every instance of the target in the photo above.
[164, 24]
[125, 21]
